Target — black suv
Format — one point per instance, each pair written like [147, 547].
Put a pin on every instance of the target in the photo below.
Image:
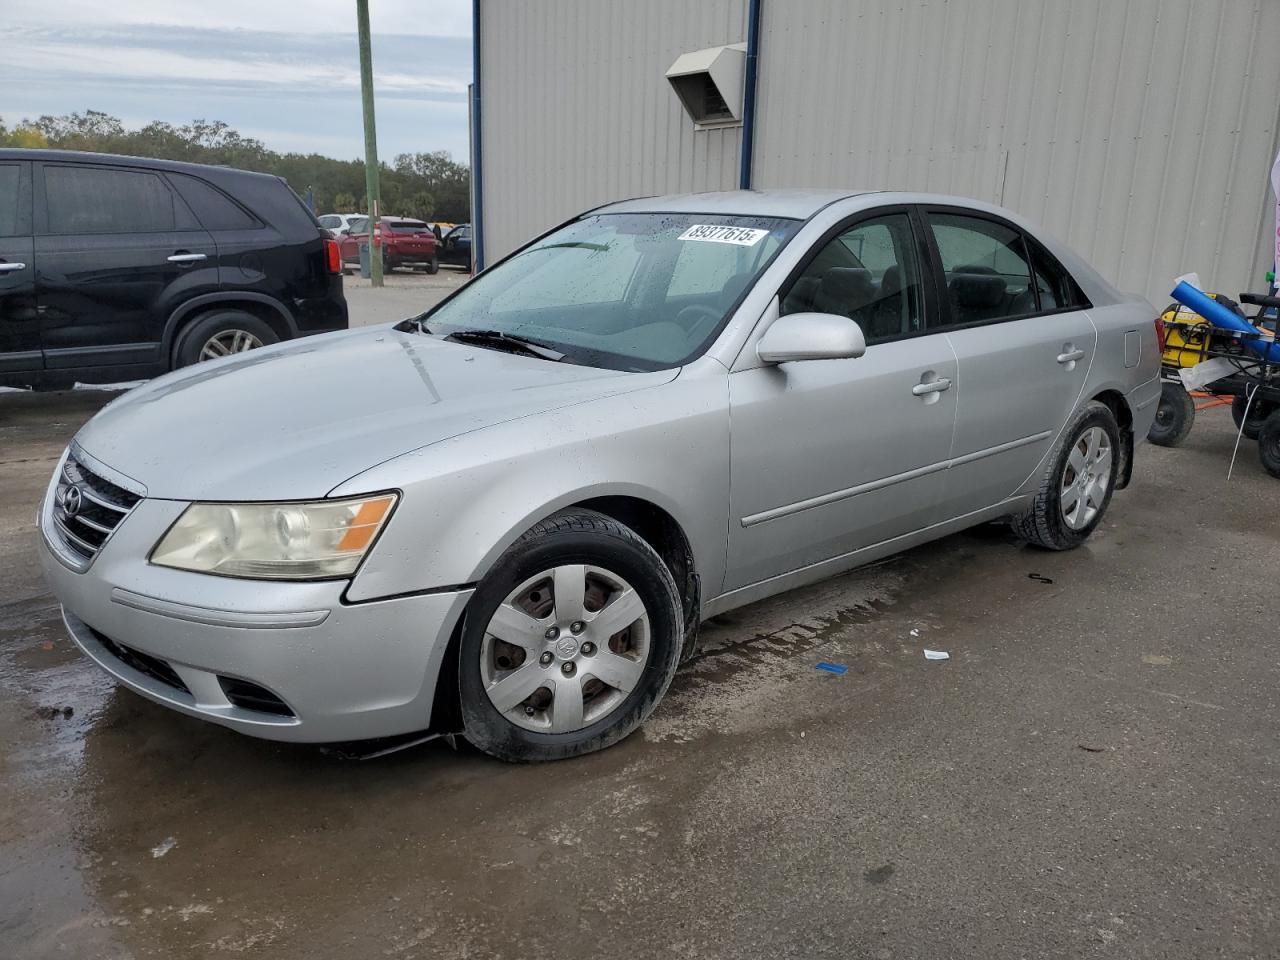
[119, 268]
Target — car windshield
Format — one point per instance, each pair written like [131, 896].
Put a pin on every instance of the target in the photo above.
[635, 291]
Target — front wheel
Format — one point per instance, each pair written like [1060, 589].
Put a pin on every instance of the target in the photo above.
[1076, 487]
[1174, 416]
[570, 642]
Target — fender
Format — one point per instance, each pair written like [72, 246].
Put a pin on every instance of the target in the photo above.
[179, 315]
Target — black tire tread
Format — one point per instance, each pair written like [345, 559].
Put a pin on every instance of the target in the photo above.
[1035, 526]
[579, 520]
[1175, 393]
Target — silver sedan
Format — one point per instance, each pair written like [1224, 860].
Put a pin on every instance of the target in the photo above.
[510, 514]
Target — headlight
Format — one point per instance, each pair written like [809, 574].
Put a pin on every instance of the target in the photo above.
[274, 541]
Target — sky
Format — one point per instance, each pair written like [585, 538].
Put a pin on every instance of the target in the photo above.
[284, 71]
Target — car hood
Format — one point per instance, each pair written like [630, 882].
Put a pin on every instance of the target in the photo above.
[295, 420]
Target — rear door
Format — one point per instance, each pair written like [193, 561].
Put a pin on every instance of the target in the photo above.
[1023, 352]
[117, 251]
[19, 324]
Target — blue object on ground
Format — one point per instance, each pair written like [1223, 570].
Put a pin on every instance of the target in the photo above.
[835, 668]
[1225, 319]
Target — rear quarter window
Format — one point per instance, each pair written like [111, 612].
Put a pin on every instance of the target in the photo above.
[213, 208]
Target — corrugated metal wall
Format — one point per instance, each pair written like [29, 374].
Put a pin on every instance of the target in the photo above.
[577, 111]
[1139, 131]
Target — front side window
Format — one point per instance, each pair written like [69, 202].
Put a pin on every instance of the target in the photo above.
[869, 273]
[99, 200]
[985, 269]
[636, 291]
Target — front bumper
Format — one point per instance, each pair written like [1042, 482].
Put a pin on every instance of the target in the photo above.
[191, 641]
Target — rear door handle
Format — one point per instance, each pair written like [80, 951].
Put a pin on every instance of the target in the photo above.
[933, 386]
[1070, 355]
[10, 267]
[187, 257]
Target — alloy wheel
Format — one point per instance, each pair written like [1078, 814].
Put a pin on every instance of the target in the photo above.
[565, 648]
[1086, 476]
[226, 342]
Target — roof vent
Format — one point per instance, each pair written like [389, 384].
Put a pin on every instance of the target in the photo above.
[709, 84]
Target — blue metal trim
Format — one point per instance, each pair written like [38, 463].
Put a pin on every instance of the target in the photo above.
[477, 166]
[749, 94]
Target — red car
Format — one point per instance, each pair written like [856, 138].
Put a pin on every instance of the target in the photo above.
[404, 243]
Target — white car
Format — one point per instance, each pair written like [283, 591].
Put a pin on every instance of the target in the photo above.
[336, 223]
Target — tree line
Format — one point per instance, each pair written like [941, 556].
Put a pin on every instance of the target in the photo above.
[428, 186]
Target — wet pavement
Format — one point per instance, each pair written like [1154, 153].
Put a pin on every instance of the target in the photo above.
[1094, 772]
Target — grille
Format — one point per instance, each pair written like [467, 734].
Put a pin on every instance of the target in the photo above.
[153, 667]
[87, 508]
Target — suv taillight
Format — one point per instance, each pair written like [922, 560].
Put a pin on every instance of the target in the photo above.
[332, 256]
[1160, 333]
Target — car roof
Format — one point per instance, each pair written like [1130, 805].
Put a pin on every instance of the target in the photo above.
[120, 160]
[797, 204]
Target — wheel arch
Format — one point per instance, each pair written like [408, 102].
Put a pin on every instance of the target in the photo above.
[268, 309]
[1118, 404]
[651, 522]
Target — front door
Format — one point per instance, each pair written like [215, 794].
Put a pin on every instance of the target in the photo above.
[1024, 345]
[830, 456]
[116, 252]
[19, 325]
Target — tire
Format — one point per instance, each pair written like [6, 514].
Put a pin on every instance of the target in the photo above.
[1269, 444]
[554, 661]
[1174, 416]
[434, 266]
[1055, 523]
[236, 330]
[1258, 413]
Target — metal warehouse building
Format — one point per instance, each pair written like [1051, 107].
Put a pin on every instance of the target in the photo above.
[1142, 132]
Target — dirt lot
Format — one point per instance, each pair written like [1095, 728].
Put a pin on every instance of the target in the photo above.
[1094, 773]
[403, 294]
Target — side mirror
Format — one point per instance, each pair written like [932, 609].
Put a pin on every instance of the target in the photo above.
[811, 336]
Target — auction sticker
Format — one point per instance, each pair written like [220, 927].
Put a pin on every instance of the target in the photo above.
[710, 232]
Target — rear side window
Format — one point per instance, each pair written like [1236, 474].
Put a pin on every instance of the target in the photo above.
[15, 202]
[213, 208]
[985, 269]
[1056, 288]
[99, 200]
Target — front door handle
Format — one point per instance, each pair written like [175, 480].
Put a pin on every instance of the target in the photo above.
[187, 257]
[932, 386]
[10, 267]
[1070, 356]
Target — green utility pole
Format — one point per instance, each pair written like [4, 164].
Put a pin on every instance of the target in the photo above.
[370, 142]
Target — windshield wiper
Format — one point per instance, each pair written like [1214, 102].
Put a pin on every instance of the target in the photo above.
[505, 341]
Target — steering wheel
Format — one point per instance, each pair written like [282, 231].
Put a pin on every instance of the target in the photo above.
[697, 315]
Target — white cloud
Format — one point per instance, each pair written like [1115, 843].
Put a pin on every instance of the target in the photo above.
[431, 18]
[148, 64]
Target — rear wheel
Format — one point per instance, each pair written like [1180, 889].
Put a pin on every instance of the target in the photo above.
[1174, 416]
[221, 334]
[1076, 488]
[1259, 410]
[1269, 444]
[570, 642]
[434, 266]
